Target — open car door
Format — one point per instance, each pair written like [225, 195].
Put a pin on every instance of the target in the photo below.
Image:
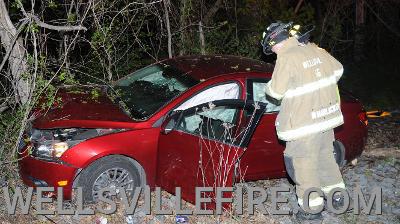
[201, 146]
[264, 157]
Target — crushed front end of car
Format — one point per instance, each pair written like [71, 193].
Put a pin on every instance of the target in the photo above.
[40, 152]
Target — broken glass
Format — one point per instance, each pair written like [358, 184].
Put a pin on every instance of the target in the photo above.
[259, 95]
[147, 90]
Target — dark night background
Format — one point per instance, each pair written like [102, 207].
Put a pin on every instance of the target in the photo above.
[122, 36]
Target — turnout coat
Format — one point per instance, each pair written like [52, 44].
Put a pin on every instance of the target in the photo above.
[305, 79]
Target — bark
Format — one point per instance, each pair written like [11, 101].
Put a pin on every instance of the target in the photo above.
[53, 27]
[359, 37]
[298, 6]
[17, 61]
[360, 12]
[205, 21]
[3, 108]
[211, 12]
[166, 8]
[202, 40]
[183, 22]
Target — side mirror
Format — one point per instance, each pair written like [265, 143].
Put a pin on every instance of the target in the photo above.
[169, 124]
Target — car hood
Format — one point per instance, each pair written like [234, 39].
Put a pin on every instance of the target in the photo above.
[82, 108]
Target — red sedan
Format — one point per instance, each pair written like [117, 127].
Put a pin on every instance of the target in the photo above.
[183, 122]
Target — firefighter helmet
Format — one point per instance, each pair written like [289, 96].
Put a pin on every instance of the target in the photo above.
[279, 31]
[275, 33]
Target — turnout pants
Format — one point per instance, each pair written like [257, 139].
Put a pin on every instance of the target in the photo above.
[310, 163]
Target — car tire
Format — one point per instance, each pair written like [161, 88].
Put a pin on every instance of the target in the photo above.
[339, 153]
[106, 167]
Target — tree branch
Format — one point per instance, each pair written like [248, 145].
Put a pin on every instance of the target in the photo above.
[3, 108]
[298, 6]
[10, 48]
[212, 11]
[382, 21]
[52, 27]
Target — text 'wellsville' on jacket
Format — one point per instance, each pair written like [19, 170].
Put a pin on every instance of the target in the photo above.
[305, 79]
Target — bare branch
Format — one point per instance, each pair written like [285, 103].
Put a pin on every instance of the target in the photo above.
[3, 108]
[298, 6]
[10, 48]
[53, 27]
[382, 21]
[212, 11]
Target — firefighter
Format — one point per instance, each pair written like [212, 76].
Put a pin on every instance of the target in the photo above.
[305, 80]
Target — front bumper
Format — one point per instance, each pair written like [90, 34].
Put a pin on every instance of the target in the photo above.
[39, 173]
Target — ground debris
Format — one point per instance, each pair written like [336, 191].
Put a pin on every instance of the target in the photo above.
[384, 132]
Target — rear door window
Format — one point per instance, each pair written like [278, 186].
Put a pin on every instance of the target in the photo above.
[221, 120]
[256, 92]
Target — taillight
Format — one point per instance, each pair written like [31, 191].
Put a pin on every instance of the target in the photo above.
[363, 118]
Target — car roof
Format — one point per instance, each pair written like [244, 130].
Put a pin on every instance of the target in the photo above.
[208, 66]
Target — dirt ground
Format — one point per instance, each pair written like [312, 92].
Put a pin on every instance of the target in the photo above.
[378, 166]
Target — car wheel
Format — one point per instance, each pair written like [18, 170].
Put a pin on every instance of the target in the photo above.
[338, 153]
[109, 172]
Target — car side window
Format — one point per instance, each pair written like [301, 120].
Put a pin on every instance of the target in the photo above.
[224, 122]
[257, 92]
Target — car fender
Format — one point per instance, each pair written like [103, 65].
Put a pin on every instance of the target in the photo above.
[139, 145]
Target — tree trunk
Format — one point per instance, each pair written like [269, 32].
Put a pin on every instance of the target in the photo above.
[202, 40]
[359, 37]
[17, 61]
[185, 7]
[207, 20]
[166, 8]
[296, 10]
[211, 12]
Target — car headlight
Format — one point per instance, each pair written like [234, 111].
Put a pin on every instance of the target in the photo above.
[53, 143]
[54, 150]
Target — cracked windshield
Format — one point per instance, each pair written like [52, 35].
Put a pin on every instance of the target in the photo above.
[147, 90]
